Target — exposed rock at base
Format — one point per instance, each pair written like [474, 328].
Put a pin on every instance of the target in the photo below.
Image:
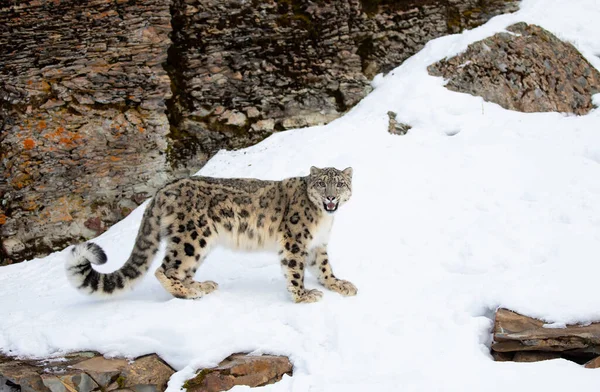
[22, 375]
[102, 102]
[149, 371]
[85, 372]
[240, 369]
[395, 127]
[69, 381]
[524, 339]
[534, 356]
[89, 371]
[515, 332]
[502, 357]
[525, 69]
[102, 369]
[593, 364]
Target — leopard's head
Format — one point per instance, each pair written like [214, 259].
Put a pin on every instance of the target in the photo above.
[329, 188]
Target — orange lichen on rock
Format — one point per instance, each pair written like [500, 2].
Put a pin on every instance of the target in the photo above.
[59, 131]
[28, 144]
[70, 140]
[63, 136]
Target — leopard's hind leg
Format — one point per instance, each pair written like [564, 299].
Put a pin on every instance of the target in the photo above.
[185, 253]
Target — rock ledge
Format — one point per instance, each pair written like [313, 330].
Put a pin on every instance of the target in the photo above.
[524, 339]
[84, 372]
[240, 369]
[90, 371]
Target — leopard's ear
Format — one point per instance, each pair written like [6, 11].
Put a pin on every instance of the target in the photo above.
[314, 170]
[348, 171]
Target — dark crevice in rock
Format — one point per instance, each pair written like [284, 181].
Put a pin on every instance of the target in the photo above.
[339, 100]
[453, 19]
[366, 50]
[182, 145]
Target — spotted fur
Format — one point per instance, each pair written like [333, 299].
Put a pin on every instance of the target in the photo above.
[193, 215]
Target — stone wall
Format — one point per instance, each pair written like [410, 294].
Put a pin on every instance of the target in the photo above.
[82, 92]
[103, 101]
[244, 69]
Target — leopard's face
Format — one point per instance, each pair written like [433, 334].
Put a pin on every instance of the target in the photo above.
[329, 188]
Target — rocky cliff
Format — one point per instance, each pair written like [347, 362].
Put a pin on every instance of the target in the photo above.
[83, 124]
[103, 101]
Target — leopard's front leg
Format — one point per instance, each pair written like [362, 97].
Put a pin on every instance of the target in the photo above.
[293, 258]
[319, 264]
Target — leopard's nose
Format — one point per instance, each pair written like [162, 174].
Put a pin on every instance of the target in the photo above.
[331, 198]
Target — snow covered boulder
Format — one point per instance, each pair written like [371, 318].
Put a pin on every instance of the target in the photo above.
[524, 339]
[526, 69]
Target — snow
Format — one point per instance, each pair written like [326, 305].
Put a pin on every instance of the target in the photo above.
[476, 207]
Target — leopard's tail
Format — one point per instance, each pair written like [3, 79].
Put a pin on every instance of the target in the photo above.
[82, 276]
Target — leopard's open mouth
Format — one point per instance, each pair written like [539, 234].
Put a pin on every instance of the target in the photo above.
[330, 206]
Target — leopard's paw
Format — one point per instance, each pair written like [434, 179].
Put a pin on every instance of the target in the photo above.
[308, 296]
[343, 287]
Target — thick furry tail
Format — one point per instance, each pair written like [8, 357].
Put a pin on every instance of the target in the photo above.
[83, 277]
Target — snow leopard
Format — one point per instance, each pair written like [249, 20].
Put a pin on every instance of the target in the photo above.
[194, 215]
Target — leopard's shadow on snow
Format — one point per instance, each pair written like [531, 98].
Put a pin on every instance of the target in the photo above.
[238, 274]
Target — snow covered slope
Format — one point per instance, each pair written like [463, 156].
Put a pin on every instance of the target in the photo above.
[474, 208]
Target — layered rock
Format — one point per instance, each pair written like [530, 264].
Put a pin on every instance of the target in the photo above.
[85, 372]
[89, 371]
[526, 69]
[99, 107]
[524, 339]
[83, 125]
[240, 369]
[244, 69]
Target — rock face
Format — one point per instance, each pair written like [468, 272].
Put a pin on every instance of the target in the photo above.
[85, 372]
[525, 339]
[529, 71]
[244, 69]
[102, 102]
[82, 117]
[89, 371]
[240, 369]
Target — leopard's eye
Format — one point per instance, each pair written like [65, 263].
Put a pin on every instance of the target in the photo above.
[340, 184]
[320, 184]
